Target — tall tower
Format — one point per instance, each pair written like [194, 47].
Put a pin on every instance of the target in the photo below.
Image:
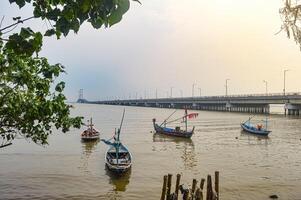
[81, 94]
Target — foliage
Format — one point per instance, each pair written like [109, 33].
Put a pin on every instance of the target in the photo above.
[28, 106]
[291, 18]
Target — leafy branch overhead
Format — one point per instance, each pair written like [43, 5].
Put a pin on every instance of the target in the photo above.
[29, 107]
[291, 18]
[66, 15]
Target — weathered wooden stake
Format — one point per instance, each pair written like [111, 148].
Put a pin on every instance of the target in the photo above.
[216, 184]
[194, 182]
[202, 183]
[198, 194]
[168, 186]
[177, 185]
[164, 188]
[209, 188]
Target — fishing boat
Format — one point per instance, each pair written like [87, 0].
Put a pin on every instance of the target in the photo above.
[258, 129]
[90, 133]
[118, 158]
[177, 131]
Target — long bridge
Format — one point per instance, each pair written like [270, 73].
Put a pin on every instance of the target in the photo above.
[253, 103]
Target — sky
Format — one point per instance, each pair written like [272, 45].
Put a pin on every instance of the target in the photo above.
[172, 44]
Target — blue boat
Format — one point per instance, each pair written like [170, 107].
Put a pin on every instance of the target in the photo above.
[258, 129]
[177, 131]
[118, 158]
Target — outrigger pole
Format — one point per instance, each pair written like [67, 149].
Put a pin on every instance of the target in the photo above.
[168, 118]
[249, 119]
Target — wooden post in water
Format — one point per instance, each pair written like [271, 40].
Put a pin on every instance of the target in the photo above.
[164, 188]
[198, 194]
[194, 182]
[177, 185]
[216, 184]
[202, 183]
[209, 188]
[168, 186]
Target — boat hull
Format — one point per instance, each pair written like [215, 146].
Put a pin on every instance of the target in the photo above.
[254, 130]
[90, 138]
[172, 132]
[121, 167]
[118, 170]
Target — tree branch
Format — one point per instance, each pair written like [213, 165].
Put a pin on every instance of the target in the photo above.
[2, 21]
[5, 145]
[18, 22]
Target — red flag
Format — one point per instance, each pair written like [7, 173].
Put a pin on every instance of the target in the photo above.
[192, 115]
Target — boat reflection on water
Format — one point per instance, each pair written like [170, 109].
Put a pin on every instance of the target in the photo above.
[119, 181]
[252, 138]
[185, 145]
[89, 147]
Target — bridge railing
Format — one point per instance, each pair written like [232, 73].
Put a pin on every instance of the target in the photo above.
[212, 97]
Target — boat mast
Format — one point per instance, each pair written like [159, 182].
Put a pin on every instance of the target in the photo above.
[186, 119]
[91, 125]
[118, 135]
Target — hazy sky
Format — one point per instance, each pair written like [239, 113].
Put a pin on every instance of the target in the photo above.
[173, 43]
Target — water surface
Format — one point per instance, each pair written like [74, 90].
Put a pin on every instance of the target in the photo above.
[250, 167]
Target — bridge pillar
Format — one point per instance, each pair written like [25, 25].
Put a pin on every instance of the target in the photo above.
[228, 106]
[292, 109]
[194, 106]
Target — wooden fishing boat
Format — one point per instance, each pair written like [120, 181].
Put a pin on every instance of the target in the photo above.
[118, 158]
[259, 129]
[177, 131]
[90, 134]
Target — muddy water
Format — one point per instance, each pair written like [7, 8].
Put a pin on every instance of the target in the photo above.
[250, 167]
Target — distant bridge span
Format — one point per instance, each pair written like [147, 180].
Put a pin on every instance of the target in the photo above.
[253, 103]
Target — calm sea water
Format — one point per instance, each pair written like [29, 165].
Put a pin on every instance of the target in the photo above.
[250, 167]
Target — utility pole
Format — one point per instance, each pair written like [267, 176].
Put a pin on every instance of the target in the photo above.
[200, 89]
[193, 89]
[227, 86]
[171, 92]
[266, 87]
[156, 93]
[284, 76]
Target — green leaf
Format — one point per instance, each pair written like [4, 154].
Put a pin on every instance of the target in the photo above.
[49, 32]
[60, 87]
[116, 15]
[20, 3]
[86, 5]
[26, 32]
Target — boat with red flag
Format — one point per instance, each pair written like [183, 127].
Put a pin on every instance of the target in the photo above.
[177, 131]
[90, 133]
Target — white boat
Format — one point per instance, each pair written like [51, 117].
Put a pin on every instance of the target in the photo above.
[118, 158]
[90, 133]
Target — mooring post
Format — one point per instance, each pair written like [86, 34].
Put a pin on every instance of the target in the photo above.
[164, 188]
[202, 183]
[168, 186]
[177, 185]
[209, 188]
[216, 184]
[194, 182]
[198, 194]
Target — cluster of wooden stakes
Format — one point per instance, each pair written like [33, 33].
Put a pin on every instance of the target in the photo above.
[193, 193]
